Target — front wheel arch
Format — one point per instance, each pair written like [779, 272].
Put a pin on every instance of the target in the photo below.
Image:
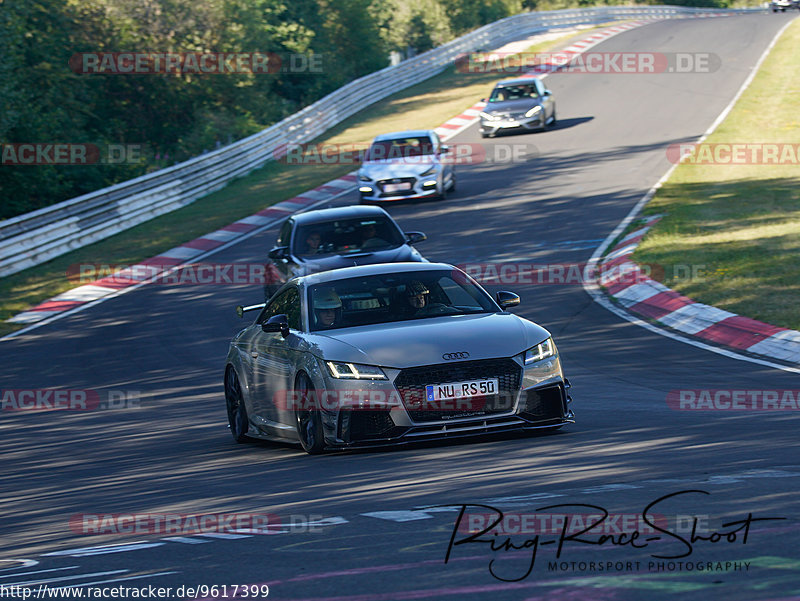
[308, 418]
[238, 421]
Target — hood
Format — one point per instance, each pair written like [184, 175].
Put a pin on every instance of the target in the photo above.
[512, 106]
[399, 167]
[423, 342]
[398, 254]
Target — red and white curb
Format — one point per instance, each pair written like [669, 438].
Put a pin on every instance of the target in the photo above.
[183, 254]
[688, 321]
[625, 281]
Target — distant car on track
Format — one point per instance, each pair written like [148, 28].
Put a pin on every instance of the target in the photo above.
[326, 239]
[388, 354]
[522, 104]
[782, 5]
[406, 165]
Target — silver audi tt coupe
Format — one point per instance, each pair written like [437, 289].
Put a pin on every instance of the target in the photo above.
[390, 353]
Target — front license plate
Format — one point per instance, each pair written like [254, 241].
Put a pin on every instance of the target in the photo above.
[396, 187]
[460, 390]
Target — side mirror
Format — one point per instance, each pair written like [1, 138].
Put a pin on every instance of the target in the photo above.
[277, 323]
[548, 93]
[278, 252]
[484, 100]
[507, 299]
[444, 149]
[414, 237]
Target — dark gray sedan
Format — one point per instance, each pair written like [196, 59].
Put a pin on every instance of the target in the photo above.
[334, 238]
[522, 104]
[387, 354]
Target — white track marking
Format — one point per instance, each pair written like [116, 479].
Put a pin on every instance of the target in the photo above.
[117, 580]
[23, 563]
[15, 574]
[61, 579]
[105, 549]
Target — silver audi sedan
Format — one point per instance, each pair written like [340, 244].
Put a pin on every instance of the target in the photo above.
[387, 354]
[522, 104]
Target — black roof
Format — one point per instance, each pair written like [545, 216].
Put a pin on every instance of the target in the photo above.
[349, 212]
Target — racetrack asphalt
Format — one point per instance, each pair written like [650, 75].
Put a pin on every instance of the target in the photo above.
[165, 345]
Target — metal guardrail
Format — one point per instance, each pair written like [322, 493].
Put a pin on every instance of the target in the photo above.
[38, 236]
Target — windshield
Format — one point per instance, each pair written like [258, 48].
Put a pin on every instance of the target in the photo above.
[386, 298]
[513, 93]
[346, 236]
[400, 148]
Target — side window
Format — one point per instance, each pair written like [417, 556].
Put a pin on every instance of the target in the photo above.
[539, 88]
[292, 308]
[288, 303]
[286, 231]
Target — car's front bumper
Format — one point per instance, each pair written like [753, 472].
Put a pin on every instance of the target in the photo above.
[519, 123]
[418, 187]
[538, 399]
[554, 417]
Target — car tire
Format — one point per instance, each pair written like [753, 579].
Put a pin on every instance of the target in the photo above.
[554, 121]
[308, 419]
[452, 187]
[484, 134]
[238, 421]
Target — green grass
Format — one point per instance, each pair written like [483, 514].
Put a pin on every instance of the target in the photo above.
[425, 105]
[740, 224]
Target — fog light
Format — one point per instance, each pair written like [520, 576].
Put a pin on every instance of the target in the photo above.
[431, 183]
[365, 189]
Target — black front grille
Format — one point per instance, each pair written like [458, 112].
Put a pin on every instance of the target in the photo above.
[358, 424]
[542, 404]
[411, 383]
[398, 180]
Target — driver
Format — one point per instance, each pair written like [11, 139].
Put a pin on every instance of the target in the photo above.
[313, 241]
[419, 301]
[327, 308]
[417, 295]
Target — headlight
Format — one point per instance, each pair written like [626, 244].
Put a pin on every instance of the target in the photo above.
[364, 178]
[488, 116]
[354, 371]
[540, 351]
[533, 111]
[430, 171]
